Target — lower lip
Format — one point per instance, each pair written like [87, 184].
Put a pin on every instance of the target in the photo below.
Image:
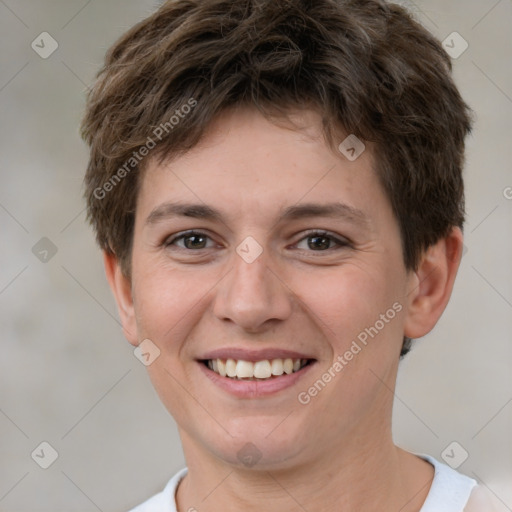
[254, 388]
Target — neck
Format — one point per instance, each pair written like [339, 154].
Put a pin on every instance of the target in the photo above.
[370, 474]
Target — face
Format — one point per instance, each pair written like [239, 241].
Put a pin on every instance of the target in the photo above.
[262, 244]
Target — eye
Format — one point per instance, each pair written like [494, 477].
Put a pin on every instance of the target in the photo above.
[191, 239]
[321, 241]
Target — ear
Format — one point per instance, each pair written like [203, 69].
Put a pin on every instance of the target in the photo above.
[431, 285]
[122, 290]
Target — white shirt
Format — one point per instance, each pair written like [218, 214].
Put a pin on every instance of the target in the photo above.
[450, 491]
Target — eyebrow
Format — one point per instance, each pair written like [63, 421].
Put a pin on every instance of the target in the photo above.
[166, 211]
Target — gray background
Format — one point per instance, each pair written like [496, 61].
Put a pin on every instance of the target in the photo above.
[68, 377]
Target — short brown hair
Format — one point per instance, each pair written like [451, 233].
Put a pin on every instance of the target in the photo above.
[366, 65]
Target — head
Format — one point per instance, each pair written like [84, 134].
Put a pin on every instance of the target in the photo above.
[242, 107]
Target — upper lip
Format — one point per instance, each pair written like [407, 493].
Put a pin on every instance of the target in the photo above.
[253, 355]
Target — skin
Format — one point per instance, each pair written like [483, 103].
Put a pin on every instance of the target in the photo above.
[336, 452]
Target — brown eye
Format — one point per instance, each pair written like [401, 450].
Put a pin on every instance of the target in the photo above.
[321, 241]
[191, 240]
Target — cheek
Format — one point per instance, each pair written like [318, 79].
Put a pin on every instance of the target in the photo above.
[168, 303]
[344, 300]
[347, 305]
[165, 301]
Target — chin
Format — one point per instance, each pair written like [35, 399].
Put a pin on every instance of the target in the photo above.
[257, 448]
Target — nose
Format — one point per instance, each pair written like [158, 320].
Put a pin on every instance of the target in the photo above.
[253, 296]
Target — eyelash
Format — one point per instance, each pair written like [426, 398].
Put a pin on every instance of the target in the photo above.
[318, 233]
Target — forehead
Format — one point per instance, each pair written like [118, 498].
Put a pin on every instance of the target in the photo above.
[245, 163]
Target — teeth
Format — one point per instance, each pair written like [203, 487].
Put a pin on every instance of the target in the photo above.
[231, 368]
[244, 369]
[221, 365]
[262, 370]
[265, 369]
[277, 367]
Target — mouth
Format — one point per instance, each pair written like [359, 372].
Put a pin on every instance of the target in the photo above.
[262, 370]
[249, 373]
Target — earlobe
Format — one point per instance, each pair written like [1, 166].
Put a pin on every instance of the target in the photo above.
[121, 288]
[432, 284]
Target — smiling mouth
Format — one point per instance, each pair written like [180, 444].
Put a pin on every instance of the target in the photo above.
[267, 369]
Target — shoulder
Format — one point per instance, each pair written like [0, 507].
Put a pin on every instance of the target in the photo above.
[156, 502]
[450, 490]
[479, 501]
[164, 501]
